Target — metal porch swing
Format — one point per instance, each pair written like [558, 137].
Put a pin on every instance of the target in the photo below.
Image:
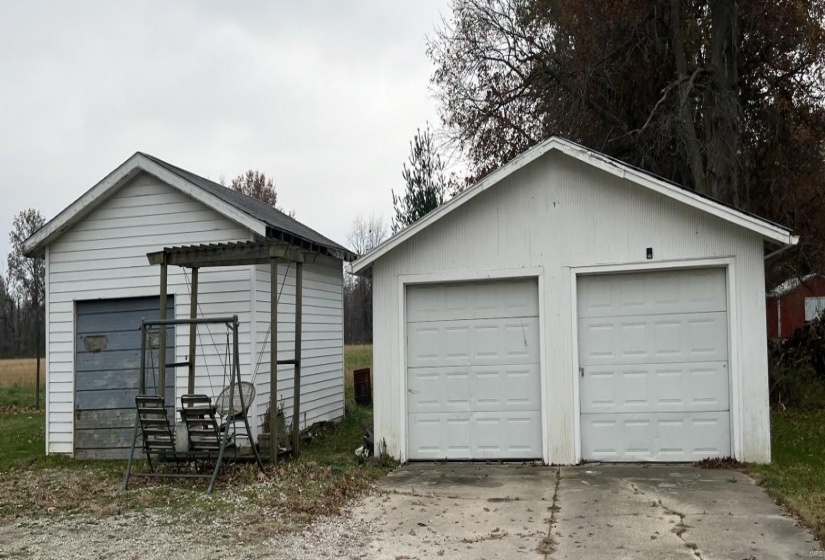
[208, 440]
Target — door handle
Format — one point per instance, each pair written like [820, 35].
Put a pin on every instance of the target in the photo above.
[581, 371]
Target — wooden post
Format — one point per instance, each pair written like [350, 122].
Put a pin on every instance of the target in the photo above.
[193, 329]
[273, 361]
[296, 398]
[162, 337]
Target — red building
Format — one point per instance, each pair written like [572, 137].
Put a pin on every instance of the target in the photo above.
[793, 303]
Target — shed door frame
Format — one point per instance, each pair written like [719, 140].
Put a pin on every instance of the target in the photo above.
[467, 276]
[735, 375]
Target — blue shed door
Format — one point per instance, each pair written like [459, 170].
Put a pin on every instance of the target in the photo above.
[107, 373]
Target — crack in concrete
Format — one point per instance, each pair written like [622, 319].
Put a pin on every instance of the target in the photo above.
[680, 529]
[548, 544]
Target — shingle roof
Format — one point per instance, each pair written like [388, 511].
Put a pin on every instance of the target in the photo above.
[282, 226]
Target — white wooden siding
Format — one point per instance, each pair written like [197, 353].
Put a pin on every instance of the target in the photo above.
[322, 347]
[104, 256]
[556, 214]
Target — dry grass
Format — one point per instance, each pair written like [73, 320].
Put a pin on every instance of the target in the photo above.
[356, 356]
[319, 483]
[21, 372]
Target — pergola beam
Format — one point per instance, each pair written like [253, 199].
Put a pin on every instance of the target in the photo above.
[229, 254]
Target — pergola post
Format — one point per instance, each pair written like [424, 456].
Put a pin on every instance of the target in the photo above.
[296, 399]
[193, 329]
[162, 338]
[273, 361]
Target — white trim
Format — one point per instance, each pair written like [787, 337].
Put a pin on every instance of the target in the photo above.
[95, 196]
[768, 230]
[469, 276]
[47, 353]
[544, 382]
[574, 337]
[402, 351]
[734, 373]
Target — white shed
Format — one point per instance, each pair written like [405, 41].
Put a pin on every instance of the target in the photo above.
[99, 285]
[570, 307]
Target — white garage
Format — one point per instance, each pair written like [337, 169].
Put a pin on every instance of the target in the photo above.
[473, 380]
[569, 308]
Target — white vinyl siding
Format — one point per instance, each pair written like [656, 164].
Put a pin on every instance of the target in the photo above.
[104, 256]
[556, 215]
[322, 348]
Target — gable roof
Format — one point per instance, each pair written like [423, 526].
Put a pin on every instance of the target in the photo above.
[770, 231]
[257, 216]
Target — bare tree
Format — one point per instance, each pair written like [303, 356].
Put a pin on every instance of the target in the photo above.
[366, 234]
[26, 282]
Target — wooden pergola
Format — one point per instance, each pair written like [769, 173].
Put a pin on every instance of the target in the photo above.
[268, 252]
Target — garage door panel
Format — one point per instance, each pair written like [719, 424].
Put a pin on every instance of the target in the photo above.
[660, 437]
[679, 387]
[473, 374]
[480, 388]
[478, 342]
[653, 339]
[472, 300]
[677, 291]
[653, 348]
[476, 435]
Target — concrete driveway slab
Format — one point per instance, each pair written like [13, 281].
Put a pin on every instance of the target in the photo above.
[593, 512]
[671, 512]
[465, 511]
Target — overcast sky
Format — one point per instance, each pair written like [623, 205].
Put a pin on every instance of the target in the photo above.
[322, 96]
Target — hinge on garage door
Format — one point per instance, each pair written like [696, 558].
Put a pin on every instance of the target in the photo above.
[581, 371]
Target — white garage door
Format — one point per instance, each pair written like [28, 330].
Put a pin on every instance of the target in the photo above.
[473, 384]
[653, 351]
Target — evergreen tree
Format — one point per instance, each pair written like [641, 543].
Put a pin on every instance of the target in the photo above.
[426, 183]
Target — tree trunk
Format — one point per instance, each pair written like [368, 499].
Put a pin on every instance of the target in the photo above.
[722, 105]
[687, 128]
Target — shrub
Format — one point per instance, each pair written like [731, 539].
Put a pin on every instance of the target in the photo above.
[798, 387]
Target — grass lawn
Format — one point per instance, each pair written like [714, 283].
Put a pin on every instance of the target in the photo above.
[17, 383]
[796, 478]
[319, 482]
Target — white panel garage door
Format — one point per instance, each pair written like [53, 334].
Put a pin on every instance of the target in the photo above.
[473, 384]
[653, 348]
